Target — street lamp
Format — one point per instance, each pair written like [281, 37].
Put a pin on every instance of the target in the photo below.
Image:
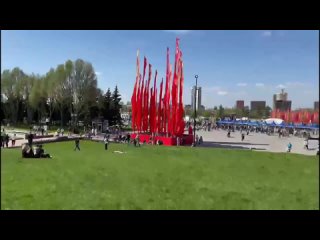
[195, 111]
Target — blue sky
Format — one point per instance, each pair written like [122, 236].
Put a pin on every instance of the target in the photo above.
[232, 65]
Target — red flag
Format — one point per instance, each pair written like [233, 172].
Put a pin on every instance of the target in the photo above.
[169, 102]
[181, 108]
[174, 87]
[146, 102]
[137, 105]
[160, 108]
[166, 94]
[141, 96]
[134, 95]
[151, 111]
[316, 117]
[154, 118]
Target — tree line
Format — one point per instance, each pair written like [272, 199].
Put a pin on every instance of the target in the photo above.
[66, 93]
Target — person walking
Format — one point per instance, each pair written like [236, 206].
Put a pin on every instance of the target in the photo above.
[289, 147]
[77, 144]
[305, 143]
[7, 140]
[13, 140]
[242, 137]
[106, 142]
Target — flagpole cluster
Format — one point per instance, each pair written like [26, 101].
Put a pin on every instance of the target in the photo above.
[159, 112]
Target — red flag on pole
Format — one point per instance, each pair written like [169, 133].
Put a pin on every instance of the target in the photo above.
[146, 102]
[166, 94]
[154, 103]
[169, 102]
[160, 108]
[181, 108]
[134, 95]
[140, 105]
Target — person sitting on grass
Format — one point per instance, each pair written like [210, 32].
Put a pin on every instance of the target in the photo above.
[39, 152]
[27, 151]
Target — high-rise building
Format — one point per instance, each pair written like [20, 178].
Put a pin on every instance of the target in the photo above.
[316, 105]
[240, 104]
[281, 102]
[196, 94]
[255, 105]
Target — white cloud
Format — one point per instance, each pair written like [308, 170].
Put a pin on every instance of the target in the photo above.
[259, 84]
[281, 86]
[210, 89]
[242, 84]
[267, 34]
[295, 84]
[222, 93]
[178, 31]
[98, 73]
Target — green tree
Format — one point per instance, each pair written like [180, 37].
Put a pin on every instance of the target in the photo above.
[220, 113]
[84, 87]
[106, 105]
[116, 107]
[11, 88]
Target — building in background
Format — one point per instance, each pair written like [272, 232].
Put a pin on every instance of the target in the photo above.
[316, 106]
[255, 105]
[281, 102]
[240, 104]
[196, 93]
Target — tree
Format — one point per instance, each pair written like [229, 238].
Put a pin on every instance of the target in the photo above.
[116, 107]
[220, 112]
[267, 112]
[28, 84]
[84, 87]
[11, 88]
[106, 105]
[207, 113]
[61, 91]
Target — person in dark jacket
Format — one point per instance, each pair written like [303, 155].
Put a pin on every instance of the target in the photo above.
[30, 139]
[7, 140]
[77, 143]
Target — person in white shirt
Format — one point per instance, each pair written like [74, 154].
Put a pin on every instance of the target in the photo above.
[106, 141]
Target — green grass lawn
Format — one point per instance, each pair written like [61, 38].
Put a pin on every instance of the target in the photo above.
[158, 177]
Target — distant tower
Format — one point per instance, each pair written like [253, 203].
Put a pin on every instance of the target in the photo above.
[196, 93]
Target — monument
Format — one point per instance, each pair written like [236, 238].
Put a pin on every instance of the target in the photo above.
[157, 113]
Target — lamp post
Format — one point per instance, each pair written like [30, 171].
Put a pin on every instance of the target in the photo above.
[195, 111]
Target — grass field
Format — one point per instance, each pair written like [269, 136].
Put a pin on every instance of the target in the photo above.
[158, 177]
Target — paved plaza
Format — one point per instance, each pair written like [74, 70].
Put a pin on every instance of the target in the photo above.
[256, 141]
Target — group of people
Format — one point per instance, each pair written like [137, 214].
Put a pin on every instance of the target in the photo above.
[5, 138]
[40, 129]
[60, 132]
[28, 151]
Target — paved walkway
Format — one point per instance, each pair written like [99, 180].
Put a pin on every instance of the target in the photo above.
[258, 141]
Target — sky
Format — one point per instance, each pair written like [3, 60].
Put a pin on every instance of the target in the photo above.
[231, 65]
